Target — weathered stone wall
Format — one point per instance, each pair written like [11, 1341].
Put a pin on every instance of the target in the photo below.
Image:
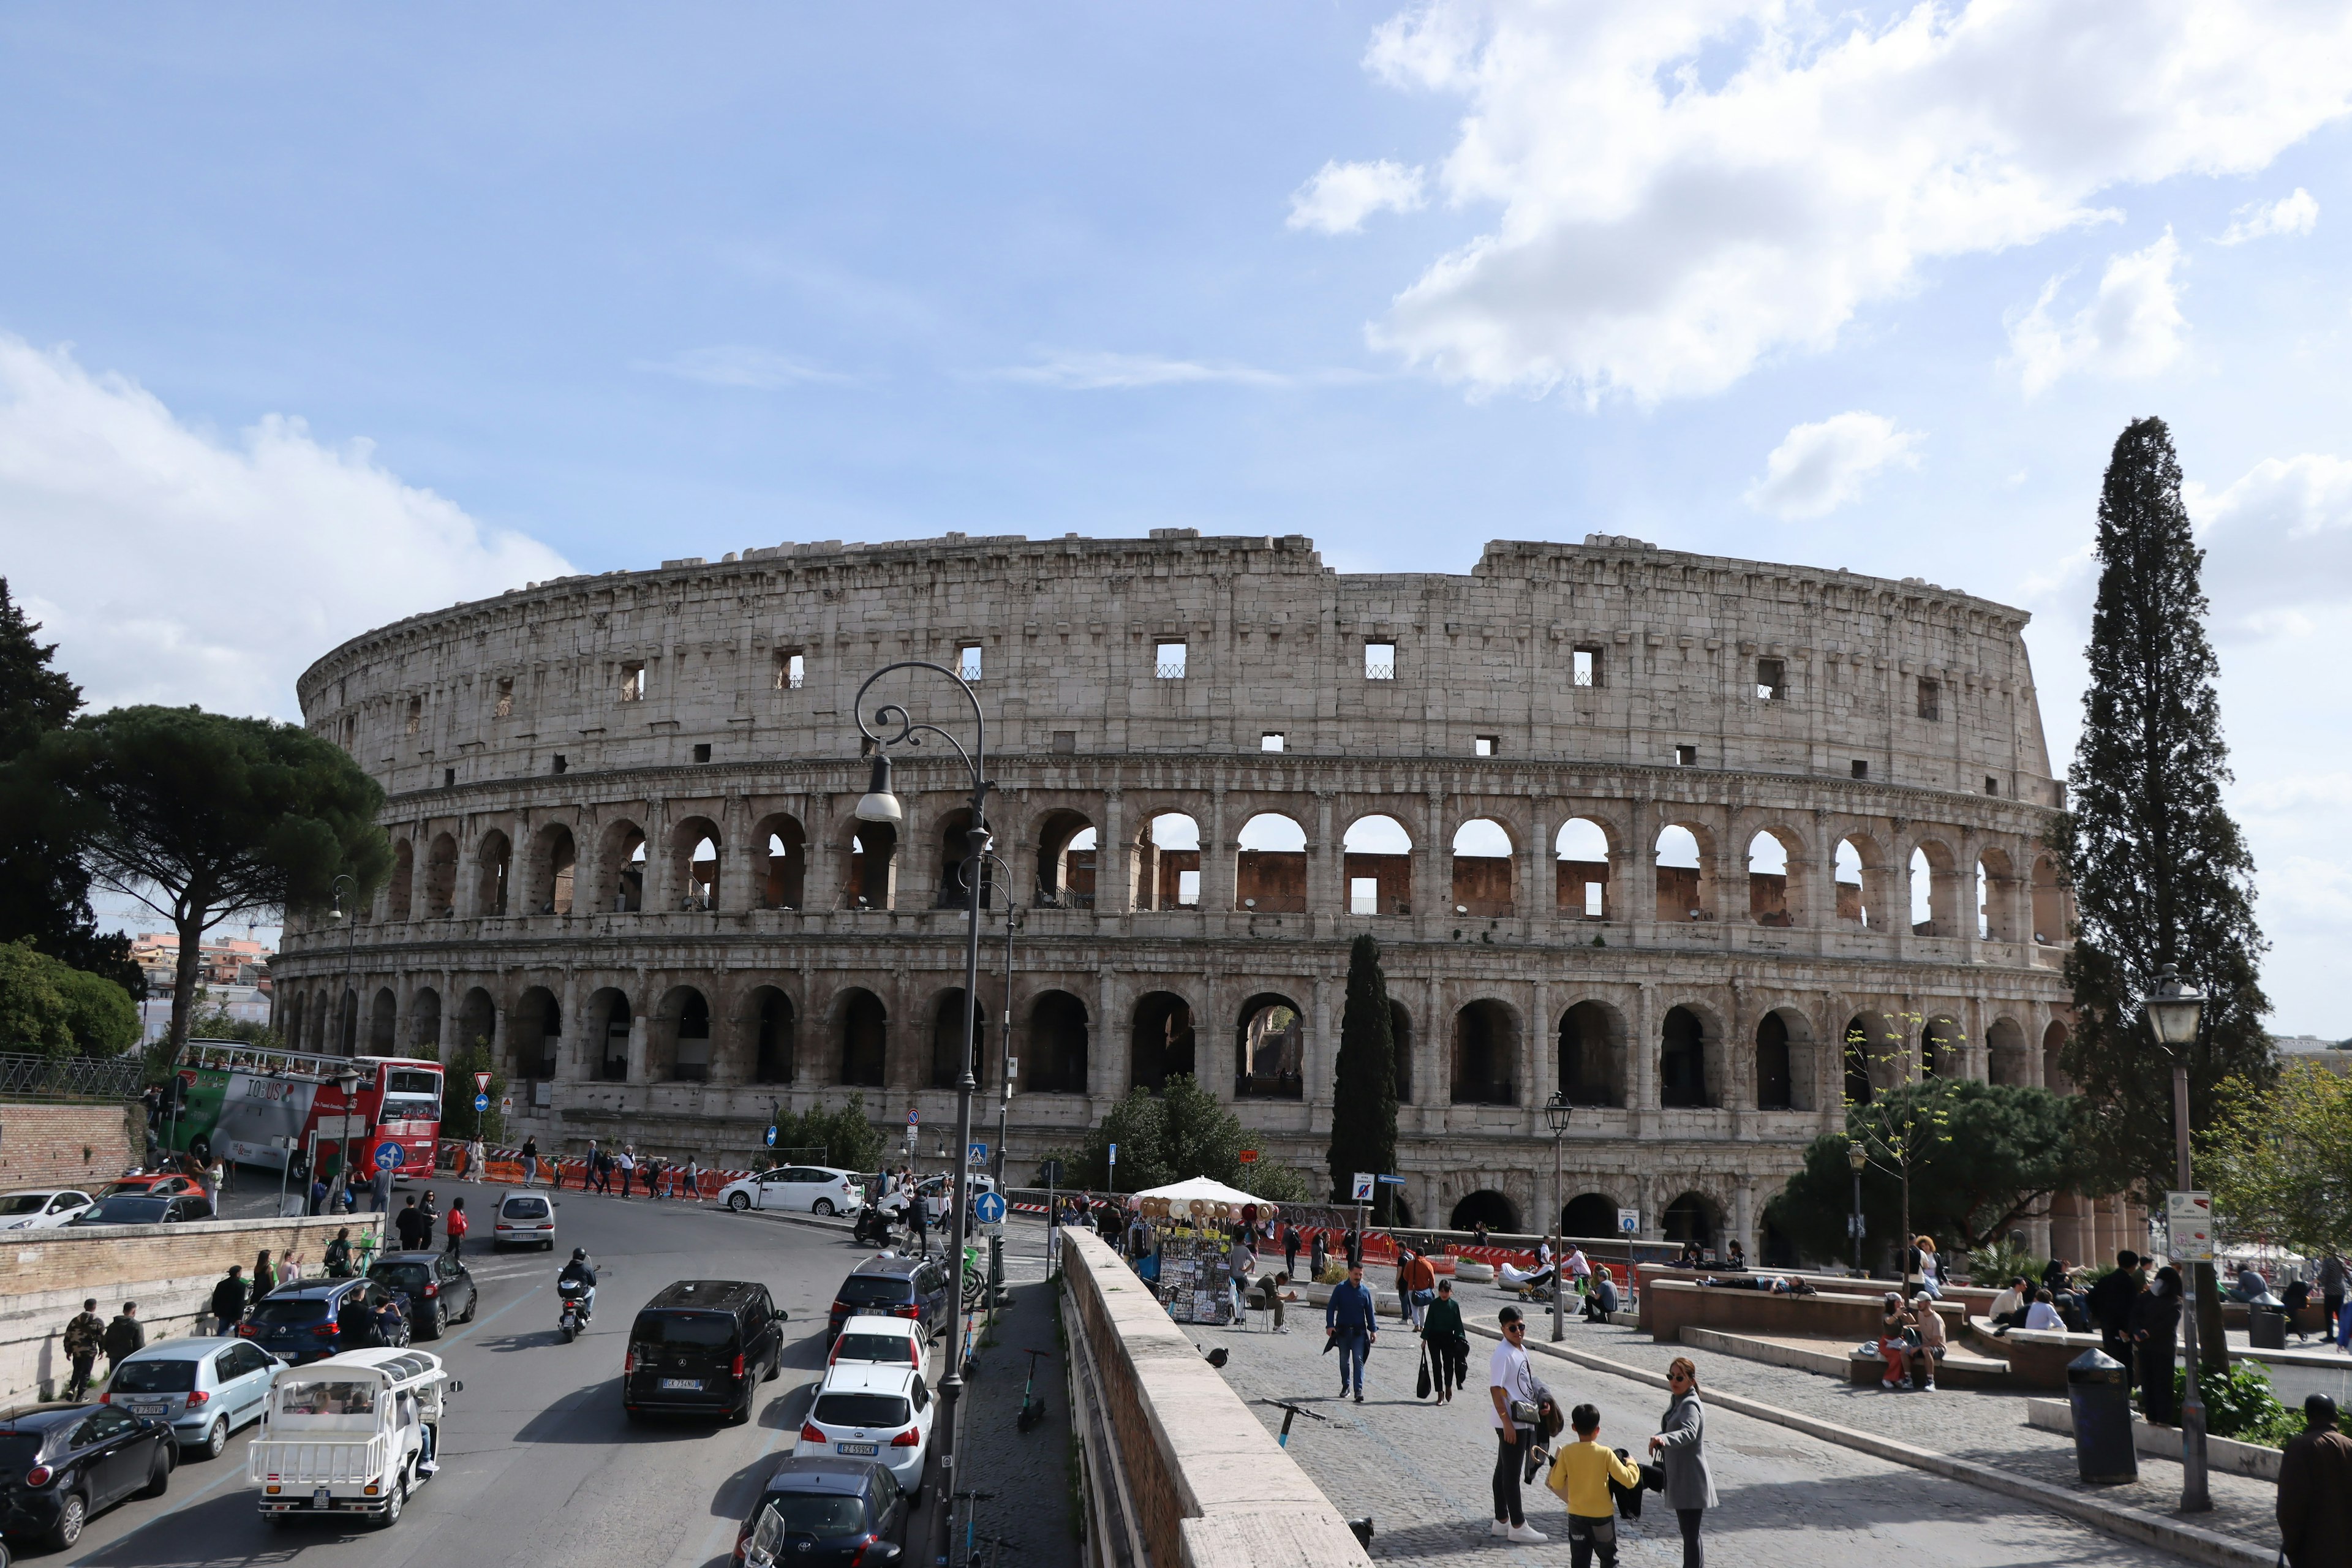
[760, 952]
[79, 1146]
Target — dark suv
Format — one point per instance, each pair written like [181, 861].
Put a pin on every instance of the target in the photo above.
[888, 1286]
[62, 1464]
[300, 1325]
[836, 1513]
[699, 1346]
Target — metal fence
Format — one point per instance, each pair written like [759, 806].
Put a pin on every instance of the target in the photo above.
[24, 1078]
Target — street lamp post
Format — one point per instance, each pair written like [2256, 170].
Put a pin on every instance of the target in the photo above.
[350, 941]
[892, 725]
[2174, 1016]
[1856, 1156]
[1556, 1118]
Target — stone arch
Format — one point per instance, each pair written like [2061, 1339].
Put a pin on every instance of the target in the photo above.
[535, 1033]
[347, 1023]
[1591, 1066]
[424, 1020]
[949, 892]
[383, 1021]
[1376, 860]
[2053, 1065]
[1943, 1048]
[1784, 1057]
[1401, 1042]
[1270, 870]
[621, 868]
[1168, 862]
[1270, 1048]
[1684, 855]
[478, 1023]
[872, 882]
[2005, 1061]
[493, 873]
[1859, 872]
[1684, 1049]
[862, 1038]
[1692, 1216]
[441, 877]
[1483, 860]
[1583, 854]
[768, 1031]
[678, 1038]
[1485, 1054]
[610, 1020]
[947, 1041]
[1499, 1213]
[694, 856]
[1067, 855]
[554, 869]
[402, 886]
[1776, 896]
[1054, 1061]
[1161, 1045]
[1588, 1216]
[1935, 889]
[1878, 1056]
[289, 1011]
[780, 858]
[1996, 897]
[2053, 927]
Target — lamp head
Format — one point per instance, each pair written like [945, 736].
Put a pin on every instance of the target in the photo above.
[1856, 1156]
[1556, 1112]
[2174, 1011]
[878, 804]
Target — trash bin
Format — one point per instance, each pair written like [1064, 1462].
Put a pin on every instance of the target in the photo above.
[2266, 1329]
[2100, 1393]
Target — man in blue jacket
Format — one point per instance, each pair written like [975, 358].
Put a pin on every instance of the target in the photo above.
[1350, 1325]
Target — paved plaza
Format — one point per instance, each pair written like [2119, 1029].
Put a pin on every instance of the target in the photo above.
[1421, 1471]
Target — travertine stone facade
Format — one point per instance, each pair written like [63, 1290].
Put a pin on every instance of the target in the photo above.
[1616, 782]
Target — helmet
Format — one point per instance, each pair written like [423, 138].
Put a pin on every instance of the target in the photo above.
[579, 1255]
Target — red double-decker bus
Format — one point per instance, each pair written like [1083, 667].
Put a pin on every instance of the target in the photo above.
[255, 1106]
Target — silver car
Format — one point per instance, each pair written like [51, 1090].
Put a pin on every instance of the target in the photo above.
[205, 1388]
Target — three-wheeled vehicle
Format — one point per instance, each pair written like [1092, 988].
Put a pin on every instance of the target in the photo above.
[355, 1432]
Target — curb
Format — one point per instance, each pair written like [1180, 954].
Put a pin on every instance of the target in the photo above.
[2131, 1524]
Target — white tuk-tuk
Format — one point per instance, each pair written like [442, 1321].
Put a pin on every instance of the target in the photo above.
[355, 1432]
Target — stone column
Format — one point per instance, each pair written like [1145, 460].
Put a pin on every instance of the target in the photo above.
[1539, 1055]
[1643, 1048]
[1114, 860]
[661, 875]
[1107, 1064]
[1318, 1062]
[1326, 870]
[1433, 876]
[1219, 852]
[640, 1015]
[1638, 878]
[573, 1055]
[737, 856]
[1743, 1216]
[1538, 896]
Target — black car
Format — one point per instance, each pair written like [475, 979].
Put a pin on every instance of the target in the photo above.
[830, 1513]
[887, 1287]
[304, 1324]
[61, 1463]
[132, 1208]
[435, 1286]
[699, 1346]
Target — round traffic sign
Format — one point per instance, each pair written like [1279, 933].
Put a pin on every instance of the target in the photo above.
[390, 1157]
[989, 1208]
[481, 1102]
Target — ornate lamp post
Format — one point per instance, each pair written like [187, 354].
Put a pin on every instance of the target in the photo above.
[1856, 1156]
[1556, 1118]
[892, 725]
[2174, 1016]
[350, 941]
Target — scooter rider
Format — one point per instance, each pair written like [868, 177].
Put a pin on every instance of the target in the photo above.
[580, 1269]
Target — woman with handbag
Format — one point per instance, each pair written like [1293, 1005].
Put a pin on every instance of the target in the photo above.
[1444, 1344]
[1681, 1446]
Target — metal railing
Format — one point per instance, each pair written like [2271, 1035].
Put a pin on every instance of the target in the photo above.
[26, 1077]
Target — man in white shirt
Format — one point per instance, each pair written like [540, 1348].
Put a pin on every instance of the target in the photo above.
[1509, 1378]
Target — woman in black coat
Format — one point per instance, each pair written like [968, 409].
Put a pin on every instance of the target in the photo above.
[2155, 1327]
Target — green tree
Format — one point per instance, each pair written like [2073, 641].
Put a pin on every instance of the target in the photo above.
[1363, 1091]
[848, 1138]
[458, 1117]
[1997, 1152]
[2161, 875]
[1174, 1135]
[203, 816]
[50, 1008]
[2279, 1162]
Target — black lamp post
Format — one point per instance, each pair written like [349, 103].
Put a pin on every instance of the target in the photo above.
[350, 941]
[892, 725]
[1856, 1156]
[2174, 1014]
[1555, 1111]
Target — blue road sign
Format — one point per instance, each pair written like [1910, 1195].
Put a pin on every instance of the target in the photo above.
[989, 1208]
[390, 1157]
[481, 1102]
[976, 1153]
[771, 1135]
[1389, 1181]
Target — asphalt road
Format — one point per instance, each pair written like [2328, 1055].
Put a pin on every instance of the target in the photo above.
[537, 1464]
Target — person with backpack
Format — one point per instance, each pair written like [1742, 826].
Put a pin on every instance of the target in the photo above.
[456, 1228]
[337, 1260]
[1580, 1478]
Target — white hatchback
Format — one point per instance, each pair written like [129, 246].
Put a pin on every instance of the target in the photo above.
[869, 1410]
[40, 1208]
[890, 1342]
[811, 1189]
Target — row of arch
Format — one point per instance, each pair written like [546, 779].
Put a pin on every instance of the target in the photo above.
[766, 1039]
[1931, 892]
[1689, 1216]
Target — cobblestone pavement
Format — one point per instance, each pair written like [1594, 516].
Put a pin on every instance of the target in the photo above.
[1421, 1471]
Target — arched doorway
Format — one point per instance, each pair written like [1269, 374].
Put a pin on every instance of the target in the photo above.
[1160, 1046]
[1486, 1052]
[864, 1031]
[772, 1051]
[1690, 1218]
[1858, 1087]
[1269, 1049]
[1591, 1056]
[537, 1032]
[424, 1022]
[610, 1020]
[1055, 1059]
[383, 1023]
[1682, 1061]
[1488, 1205]
[1774, 1079]
[946, 1042]
[1590, 1214]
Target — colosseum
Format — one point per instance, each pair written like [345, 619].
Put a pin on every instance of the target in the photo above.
[1663, 832]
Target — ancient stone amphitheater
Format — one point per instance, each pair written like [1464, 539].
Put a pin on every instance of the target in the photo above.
[1705, 843]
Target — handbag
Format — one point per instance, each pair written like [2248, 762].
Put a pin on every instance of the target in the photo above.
[1421, 1384]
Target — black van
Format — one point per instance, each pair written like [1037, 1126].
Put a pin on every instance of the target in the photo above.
[699, 1346]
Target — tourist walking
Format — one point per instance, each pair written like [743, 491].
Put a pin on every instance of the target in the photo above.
[1681, 1445]
[477, 1160]
[125, 1337]
[337, 1259]
[457, 1227]
[1580, 1478]
[531, 1162]
[1443, 1341]
[1290, 1249]
[693, 1180]
[1317, 1257]
[1351, 1326]
[1416, 1285]
[2331, 1277]
[1517, 1396]
[628, 1165]
[84, 1337]
[2315, 1491]
[265, 1277]
[228, 1300]
[414, 1234]
[2155, 1328]
[380, 1191]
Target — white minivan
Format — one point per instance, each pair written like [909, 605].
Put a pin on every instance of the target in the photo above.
[811, 1189]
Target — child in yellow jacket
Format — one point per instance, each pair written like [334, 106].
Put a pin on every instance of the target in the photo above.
[1579, 1478]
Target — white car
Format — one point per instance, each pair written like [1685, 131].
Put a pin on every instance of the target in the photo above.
[524, 1219]
[813, 1189]
[870, 1410]
[40, 1208]
[888, 1342]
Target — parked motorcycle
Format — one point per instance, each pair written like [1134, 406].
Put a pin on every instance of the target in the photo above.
[572, 1316]
[872, 1228]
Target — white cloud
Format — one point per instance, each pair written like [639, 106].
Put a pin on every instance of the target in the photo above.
[2278, 543]
[1683, 188]
[1096, 371]
[174, 567]
[2297, 214]
[738, 365]
[1817, 469]
[2131, 328]
[1342, 195]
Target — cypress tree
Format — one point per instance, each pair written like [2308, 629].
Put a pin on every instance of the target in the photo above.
[1363, 1091]
[2161, 875]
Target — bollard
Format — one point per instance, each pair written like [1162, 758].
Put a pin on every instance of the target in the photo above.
[2100, 1392]
[2266, 1329]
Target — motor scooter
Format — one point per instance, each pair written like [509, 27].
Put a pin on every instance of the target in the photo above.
[572, 1316]
[872, 1226]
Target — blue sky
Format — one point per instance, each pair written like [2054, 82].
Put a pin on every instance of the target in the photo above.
[308, 320]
